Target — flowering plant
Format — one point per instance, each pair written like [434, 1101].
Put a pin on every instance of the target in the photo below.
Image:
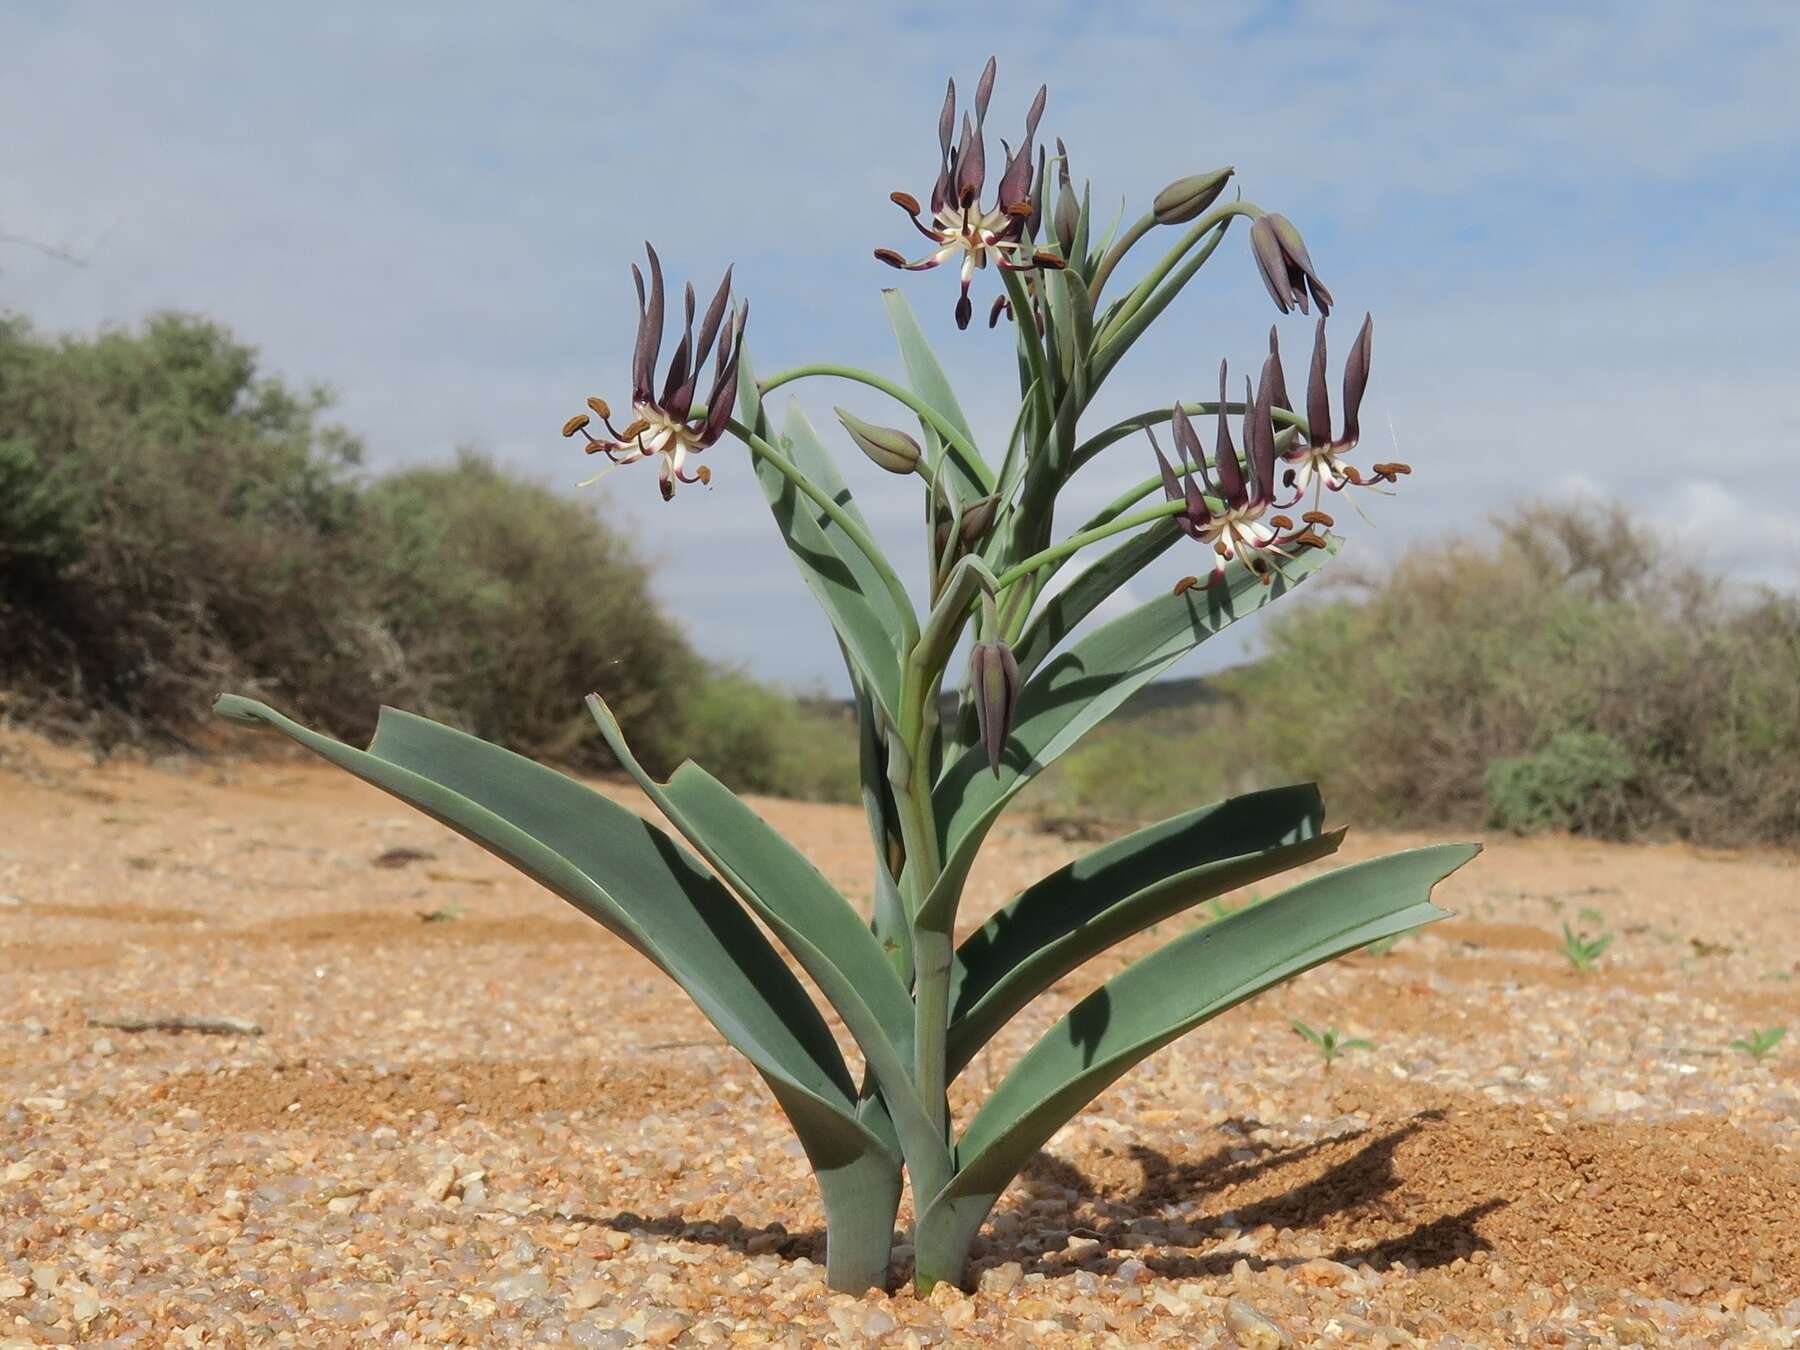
[918, 1002]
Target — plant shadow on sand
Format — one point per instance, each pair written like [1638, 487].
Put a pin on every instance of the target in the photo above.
[1359, 1183]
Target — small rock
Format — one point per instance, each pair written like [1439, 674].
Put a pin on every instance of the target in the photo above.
[19, 1171]
[878, 1322]
[45, 1103]
[232, 1209]
[85, 1304]
[998, 1280]
[1690, 1286]
[588, 1294]
[10, 1288]
[764, 1243]
[1323, 1271]
[1170, 1303]
[663, 1328]
[591, 1336]
[344, 1204]
[1635, 1330]
[440, 1184]
[1133, 1271]
[1079, 1246]
[615, 1241]
[518, 1288]
[1252, 1329]
[32, 1027]
[103, 1046]
[959, 1314]
[474, 1192]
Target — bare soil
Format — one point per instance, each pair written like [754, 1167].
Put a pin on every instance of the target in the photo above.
[497, 1126]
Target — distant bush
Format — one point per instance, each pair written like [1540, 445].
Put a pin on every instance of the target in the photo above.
[1141, 770]
[1558, 674]
[1561, 674]
[173, 524]
[511, 603]
[756, 739]
[1578, 782]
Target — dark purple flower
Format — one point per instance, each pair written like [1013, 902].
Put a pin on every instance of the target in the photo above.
[958, 223]
[1245, 490]
[662, 421]
[1317, 462]
[1286, 269]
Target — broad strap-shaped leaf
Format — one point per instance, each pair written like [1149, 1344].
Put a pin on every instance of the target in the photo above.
[846, 584]
[1173, 990]
[892, 931]
[926, 377]
[1121, 888]
[1059, 616]
[826, 935]
[1075, 692]
[622, 871]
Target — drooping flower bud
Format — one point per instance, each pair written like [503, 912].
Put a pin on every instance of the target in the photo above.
[994, 680]
[889, 447]
[1187, 197]
[1286, 268]
[977, 516]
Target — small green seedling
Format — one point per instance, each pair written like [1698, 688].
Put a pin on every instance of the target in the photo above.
[1588, 914]
[445, 914]
[1582, 951]
[1760, 1044]
[1327, 1042]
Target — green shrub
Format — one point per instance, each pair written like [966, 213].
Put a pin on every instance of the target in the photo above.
[1566, 653]
[511, 603]
[1579, 782]
[756, 739]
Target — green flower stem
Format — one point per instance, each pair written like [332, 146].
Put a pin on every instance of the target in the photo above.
[1034, 349]
[933, 948]
[1118, 431]
[965, 448]
[1121, 246]
[1134, 319]
[840, 518]
[1218, 216]
[1081, 539]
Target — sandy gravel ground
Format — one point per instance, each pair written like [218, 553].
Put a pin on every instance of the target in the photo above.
[501, 1128]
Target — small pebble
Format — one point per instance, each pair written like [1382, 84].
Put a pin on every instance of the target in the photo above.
[588, 1294]
[1252, 1329]
[1002, 1279]
[663, 1328]
[440, 1184]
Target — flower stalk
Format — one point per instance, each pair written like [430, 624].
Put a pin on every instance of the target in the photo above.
[723, 905]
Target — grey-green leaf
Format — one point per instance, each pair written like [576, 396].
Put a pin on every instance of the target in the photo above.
[625, 873]
[1063, 612]
[847, 586]
[826, 935]
[926, 376]
[1121, 888]
[1171, 991]
[1074, 693]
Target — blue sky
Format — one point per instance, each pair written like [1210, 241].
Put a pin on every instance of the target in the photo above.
[1576, 227]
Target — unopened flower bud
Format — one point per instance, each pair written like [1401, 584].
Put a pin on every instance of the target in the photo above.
[1187, 197]
[977, 516]
[1066, 218]
[889, 447]
[994, 679]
